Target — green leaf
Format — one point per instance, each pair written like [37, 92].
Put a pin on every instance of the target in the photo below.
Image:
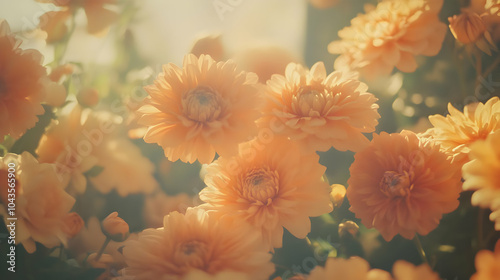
[94, 171]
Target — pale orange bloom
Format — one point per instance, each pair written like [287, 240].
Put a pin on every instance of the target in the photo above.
[390, 36]
[482, 174]
[265, 61]
[22, 85]
[487, 264]
[99, 17]
[82, 139]
[401, 184]
[469, 28]
[41, 204]
[403, 270]
[354, 268]
[196, 241]
[206, 107]
[211, 45]
[271, 185]
[320, 111]
[458, 130]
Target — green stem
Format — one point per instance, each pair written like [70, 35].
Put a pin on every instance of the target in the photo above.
[103, 247]
[480, 222]
[491, 67]
[420, 249]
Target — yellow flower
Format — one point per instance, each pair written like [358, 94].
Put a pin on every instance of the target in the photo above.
[482, 174]
[458, 130]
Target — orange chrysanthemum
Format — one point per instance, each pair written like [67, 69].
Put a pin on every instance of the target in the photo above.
[22, 85]
[82, 139]
[41, 204]
[390, 36]
[202, 109]
[196, 241]
[458, 130]
[487, 264]
[482, 174]
[272, 186]
[320, 111]
[401, 184]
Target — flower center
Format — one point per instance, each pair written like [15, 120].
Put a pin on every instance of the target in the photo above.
[191, 253]
[394, 184]
[309, 102]
[261, 184]
[202, 104]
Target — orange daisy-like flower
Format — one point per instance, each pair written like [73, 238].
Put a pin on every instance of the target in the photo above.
[390, 36]
[22, 85]
[99, 17]
[272, 186]
[487, 264]
[320, 111]
[193, 242]
[482, 174]
[41, 204]
[401, 184]
[458, 130]
[206, 107]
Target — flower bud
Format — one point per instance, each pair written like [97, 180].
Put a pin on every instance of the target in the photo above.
[468, 27]
[72, 224]
[115, 227]
[88, 97]
[337, 194]
[348, 227]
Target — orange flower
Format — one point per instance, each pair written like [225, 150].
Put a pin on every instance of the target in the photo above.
[458, 130]
[83, 139]
[402, 184]
[22, 83]
[272, 186]
[41, 202]
[196, 241]
[320, 111]
[489, 10]
[482, 174]
[487, 264]
[403, 270]
[469, 28]
[204, 108]
[352, 268]
[211, 45]
[265, 61]
[99, 17]
[390, 36]
[72, 224]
